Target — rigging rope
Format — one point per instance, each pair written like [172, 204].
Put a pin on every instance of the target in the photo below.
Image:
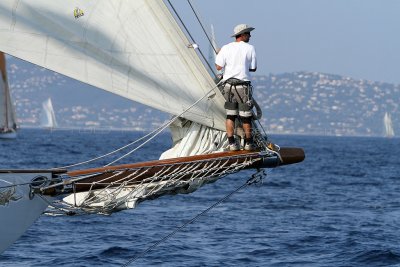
[255, 178]
[122, 187]
[260, 142]
[153, 134]
[12, 185]
[201, 24]
[168, 124]
[162, 127]
[110, 153]
[157, 131]
[191, 37]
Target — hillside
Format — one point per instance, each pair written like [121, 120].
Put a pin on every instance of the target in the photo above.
[75, 104]
[317, 103]
[293, 103]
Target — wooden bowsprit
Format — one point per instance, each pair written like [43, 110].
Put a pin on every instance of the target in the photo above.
[113, 188]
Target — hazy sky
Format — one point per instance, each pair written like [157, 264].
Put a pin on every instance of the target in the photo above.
[356, 38]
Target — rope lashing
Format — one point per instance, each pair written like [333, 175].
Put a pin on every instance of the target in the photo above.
[130, 186]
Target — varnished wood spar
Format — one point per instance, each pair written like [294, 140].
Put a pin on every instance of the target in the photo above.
[164, 162]
[291, 155]
[161, 170]
[102, 177]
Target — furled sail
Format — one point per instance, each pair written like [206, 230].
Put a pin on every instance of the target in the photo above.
[134, 49]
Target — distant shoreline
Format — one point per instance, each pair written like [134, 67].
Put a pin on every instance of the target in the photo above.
[106, 129]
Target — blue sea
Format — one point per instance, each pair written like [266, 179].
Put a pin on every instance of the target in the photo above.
[340, 207]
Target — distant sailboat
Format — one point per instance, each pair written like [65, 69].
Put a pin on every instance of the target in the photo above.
[48, 117]
[388, 125]
[8, 126]
[213, 47]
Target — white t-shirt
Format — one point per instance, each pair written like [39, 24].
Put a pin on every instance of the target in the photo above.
[237, 58]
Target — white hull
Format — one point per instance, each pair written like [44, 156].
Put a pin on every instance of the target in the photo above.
[8, 135]
[18, 208]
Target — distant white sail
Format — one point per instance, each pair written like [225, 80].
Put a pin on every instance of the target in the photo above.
[388, 125]
[48, 117]
[213, 47]
[8, 125]
[109, 44]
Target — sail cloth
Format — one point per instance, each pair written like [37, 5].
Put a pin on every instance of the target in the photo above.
[134, 49]
[190, 138]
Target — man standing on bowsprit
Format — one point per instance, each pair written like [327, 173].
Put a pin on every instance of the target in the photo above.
[238, 59]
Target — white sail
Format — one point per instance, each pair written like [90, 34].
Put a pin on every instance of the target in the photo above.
[48, 118]
[388, 125]
[131, 48]
[213, 47]
[8, 124]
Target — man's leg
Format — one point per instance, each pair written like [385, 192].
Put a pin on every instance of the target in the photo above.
[231, 107]
[230, 131]
[247, 128]
[230, 126]
[231, 114]
[248, 133]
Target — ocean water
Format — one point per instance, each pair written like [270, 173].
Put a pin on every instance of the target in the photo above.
[340, 207]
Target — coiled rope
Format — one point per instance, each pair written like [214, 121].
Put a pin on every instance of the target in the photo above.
[254, 179]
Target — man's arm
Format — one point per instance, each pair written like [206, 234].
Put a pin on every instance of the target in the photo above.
[220, 59]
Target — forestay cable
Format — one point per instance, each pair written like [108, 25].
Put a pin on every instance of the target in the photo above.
[190, 35]
[202, 26]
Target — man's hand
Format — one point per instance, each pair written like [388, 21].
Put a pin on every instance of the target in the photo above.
[218, 67]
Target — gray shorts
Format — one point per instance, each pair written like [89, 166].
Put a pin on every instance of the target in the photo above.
[238, 99]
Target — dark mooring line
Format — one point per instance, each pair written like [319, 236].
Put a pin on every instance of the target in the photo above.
[255, 178]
